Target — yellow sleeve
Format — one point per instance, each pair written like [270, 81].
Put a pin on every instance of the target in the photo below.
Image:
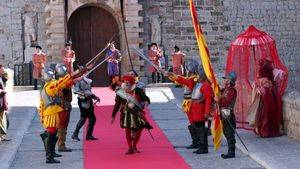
[173, 78]
[51, 88]
[65, 82]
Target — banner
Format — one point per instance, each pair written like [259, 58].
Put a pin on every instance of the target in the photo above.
[205, 58]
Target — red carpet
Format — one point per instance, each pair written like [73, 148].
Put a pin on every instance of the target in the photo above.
[109, 151]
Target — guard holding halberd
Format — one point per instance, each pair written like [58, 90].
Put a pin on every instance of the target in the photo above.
[226, 102]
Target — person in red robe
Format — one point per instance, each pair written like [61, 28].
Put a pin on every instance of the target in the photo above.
[178, 61]
[154, 53]
[200, 108]
[68, 57]
[39, 59]
[267, 119]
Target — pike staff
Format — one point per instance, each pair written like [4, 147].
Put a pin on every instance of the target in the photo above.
[125, 32]
[147, 60]
[103, 50]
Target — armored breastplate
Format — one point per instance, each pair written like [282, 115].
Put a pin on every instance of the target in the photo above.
[84, 90]
[48, 100]
[196, 94]
[187, 93]
[84, 86]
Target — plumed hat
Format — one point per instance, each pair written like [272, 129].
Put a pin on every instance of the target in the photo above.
[128, 78]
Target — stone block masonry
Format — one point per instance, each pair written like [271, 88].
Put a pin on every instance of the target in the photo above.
[22, 24]
[279, 18]
[291, 116]
[167, 22]
[222, 21]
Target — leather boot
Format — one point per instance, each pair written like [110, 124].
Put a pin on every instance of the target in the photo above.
[153, 77]
[230, 154]
[158, 77]
[78, 127]
[44, 136]
[61, 143]
[229, 134]
[90, 130]
[50, 147]
[203, 149]
[195, 138]
[75, 135]
[91, 138]
[35, 84]
[53, 151]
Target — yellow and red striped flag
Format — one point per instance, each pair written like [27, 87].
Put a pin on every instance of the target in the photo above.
[205, 58]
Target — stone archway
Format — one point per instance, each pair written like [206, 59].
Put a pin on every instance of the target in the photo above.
[55, 27]
[90, 28]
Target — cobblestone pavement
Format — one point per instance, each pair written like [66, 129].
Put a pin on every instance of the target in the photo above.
[272, 153]
[22, 107]
[26, 150]
[174, 124]
[31, 155]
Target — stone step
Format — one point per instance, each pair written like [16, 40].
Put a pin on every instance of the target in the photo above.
[23, 88]
[155, 85]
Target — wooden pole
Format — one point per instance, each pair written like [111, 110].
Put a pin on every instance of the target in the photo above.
[125, 33]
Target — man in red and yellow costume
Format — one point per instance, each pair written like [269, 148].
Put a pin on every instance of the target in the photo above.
[68, 57]
[198, 108]
[154, 53]
[50, 107]
[39, 60]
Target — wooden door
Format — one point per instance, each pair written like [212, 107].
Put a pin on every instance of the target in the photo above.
[90, 29]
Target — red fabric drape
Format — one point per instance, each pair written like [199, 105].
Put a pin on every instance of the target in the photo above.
[243, 56]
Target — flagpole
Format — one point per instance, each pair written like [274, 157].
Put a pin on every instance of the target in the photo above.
[206, 64]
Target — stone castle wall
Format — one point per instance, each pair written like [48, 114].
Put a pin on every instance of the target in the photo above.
[222, 21]
[280, 19]
[43, 20]
[167, 22]
[22, 24]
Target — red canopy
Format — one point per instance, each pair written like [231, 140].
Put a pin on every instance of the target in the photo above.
[243, 56]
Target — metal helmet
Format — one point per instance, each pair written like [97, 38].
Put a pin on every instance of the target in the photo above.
[48, 74]
[192, 66]
[60, 69]
[87, 80]
[231, 76]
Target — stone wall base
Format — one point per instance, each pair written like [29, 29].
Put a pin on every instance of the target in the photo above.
[291, 114]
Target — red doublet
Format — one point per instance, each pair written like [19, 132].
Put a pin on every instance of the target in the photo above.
[154, 58]
[68, 57]
[39, 61]
[229, 94]
[178, 61]
[198, 109]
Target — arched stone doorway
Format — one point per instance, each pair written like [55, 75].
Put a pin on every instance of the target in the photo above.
[90, 28]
